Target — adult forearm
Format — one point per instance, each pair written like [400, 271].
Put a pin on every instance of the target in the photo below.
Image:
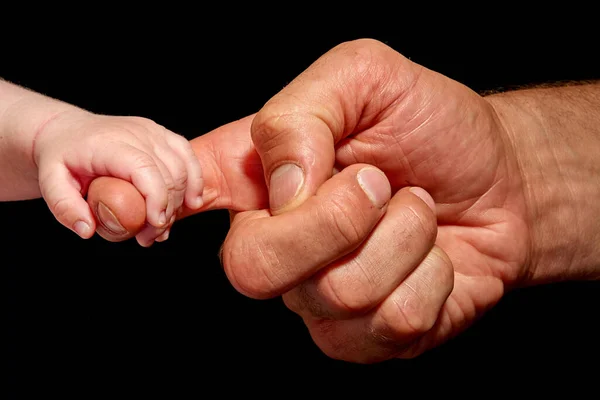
[23, 113]
[555, 132]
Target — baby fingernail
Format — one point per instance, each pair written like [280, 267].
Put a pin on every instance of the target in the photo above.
[198, 202]
[162, 218]
[164, 236]
[81, 228]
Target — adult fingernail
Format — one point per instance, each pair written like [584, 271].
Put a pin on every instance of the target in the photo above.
[423, 195]
[286, 182]
[109, 221]
[375, 185]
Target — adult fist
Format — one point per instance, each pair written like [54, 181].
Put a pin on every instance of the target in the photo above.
[366, 291]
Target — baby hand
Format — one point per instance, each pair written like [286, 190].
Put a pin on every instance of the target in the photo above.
[75, 147]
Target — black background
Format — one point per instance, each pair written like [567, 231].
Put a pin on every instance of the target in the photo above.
[88, 317]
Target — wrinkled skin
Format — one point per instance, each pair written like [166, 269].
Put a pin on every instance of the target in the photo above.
[373, 284]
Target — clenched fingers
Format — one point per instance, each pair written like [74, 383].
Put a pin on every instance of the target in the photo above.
[265, 256]
[360, 281]
[400, 326]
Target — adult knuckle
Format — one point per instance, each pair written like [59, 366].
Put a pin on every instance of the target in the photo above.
[422, 224]
[302, 300]
[405, 318]
[444, 273]
[366, 57]
[252, 266]
[332, 339]
[271, 125]
[349, 293]
[343, 223]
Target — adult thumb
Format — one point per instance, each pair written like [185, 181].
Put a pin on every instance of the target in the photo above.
[296, 131]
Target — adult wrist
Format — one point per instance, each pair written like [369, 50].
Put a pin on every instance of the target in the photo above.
[554, 133]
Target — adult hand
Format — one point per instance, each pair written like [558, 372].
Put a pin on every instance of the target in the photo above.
[372, 284]
[376, 278]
